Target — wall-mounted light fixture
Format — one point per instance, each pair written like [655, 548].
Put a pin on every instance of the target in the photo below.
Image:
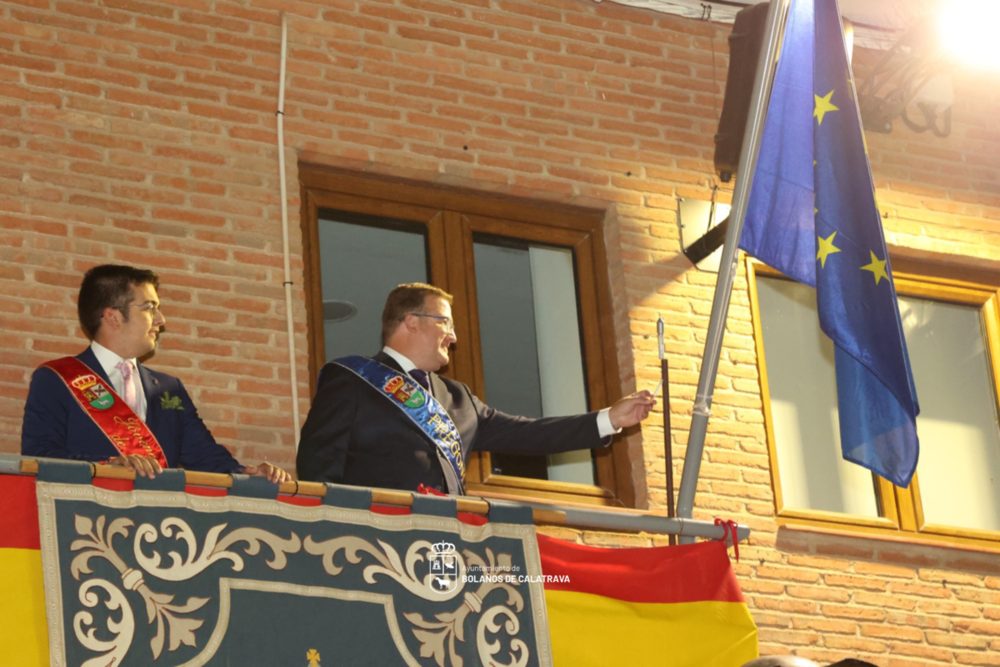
[703, 228]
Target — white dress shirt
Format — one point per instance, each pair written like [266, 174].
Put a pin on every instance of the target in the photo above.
[604, 427]
[109, 362]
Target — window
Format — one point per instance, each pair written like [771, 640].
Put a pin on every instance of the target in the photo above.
[951, 331]
[529, 329]
[532, 308]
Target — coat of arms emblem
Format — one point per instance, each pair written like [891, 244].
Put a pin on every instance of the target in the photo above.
[94, 392]
[407, 393]
[443, 560]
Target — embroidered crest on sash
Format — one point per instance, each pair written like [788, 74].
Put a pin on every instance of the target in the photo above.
[407, 393]
[94, 391]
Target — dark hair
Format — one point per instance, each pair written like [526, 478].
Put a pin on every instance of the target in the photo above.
[406, 299]
[109, 286]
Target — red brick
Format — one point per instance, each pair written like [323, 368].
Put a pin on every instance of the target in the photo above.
[67, 149]
[172, 28]
[23, 62]
[143, 99]
[108, 205]
[223, 113]
[18, 92]
[188, 154]
[177, 90]
[499, 48]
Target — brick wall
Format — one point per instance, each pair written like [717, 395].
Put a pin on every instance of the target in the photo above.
[144, 132]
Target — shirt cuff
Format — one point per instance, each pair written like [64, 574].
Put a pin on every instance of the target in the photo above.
[604, 427]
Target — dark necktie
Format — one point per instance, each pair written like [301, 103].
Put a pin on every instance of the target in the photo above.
[421, 378]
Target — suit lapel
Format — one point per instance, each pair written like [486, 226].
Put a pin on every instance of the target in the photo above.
[89, 359]
[150, 387]
[440, 391]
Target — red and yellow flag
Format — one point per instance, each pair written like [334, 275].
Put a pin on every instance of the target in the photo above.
[24, 639]
[673, 606]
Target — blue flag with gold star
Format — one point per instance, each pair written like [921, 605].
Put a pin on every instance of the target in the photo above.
[812, 215]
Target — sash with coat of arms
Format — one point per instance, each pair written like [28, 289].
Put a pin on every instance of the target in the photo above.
[422, 409]
[127, 432]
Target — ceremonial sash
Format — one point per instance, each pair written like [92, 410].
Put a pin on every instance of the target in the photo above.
[126, 431]
[422, 409]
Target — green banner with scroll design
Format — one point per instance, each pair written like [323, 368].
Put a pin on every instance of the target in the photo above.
[169, 579]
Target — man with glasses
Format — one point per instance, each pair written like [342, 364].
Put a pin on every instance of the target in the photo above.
[105, 407]
[392, 422]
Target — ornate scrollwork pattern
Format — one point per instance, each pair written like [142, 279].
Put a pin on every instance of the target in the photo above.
[160, 607]
[123, 629]
[213, 550]
[489, 623]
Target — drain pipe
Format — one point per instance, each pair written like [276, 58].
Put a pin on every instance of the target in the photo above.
[289, 322]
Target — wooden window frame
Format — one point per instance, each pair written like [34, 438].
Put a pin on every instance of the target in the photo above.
[901, 509]
[451, 216]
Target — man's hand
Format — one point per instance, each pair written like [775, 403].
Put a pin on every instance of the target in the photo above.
[265, 469]
[631, 410]
[140, 465]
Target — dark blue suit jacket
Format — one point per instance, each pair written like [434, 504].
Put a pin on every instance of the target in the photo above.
[56, 426]
[355, 436]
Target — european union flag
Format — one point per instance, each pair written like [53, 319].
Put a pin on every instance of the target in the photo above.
[812, 215]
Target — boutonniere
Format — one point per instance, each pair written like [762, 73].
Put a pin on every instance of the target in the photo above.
[168, 402]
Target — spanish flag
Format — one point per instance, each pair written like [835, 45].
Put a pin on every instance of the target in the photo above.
[24, 639]
[671, 606]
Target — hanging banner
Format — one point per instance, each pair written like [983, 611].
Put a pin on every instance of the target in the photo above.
[170, 578]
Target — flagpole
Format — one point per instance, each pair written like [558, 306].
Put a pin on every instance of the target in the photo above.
[727, 268]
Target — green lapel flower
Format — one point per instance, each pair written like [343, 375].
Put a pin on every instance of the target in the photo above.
[168, 402]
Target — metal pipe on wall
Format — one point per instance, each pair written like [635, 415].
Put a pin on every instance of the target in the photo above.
[287, 283]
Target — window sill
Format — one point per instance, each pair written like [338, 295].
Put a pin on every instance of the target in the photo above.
[520, 489]
[895, 547]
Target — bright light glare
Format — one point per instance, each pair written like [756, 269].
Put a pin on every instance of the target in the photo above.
[968, 31]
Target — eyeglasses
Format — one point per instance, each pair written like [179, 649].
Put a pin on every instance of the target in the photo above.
[448, 324]
[151, 308]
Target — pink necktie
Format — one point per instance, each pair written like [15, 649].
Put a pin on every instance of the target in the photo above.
[128, 387]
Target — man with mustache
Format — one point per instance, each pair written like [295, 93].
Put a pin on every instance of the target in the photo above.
[105, 407]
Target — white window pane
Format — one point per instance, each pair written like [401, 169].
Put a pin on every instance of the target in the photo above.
[559, 355]
[957, 426]
[803, 389]
[507, 329]
[532, 358]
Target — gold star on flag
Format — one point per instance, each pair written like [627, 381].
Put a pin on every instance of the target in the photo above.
[826, 248]
[823, 104]
[877, 267]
